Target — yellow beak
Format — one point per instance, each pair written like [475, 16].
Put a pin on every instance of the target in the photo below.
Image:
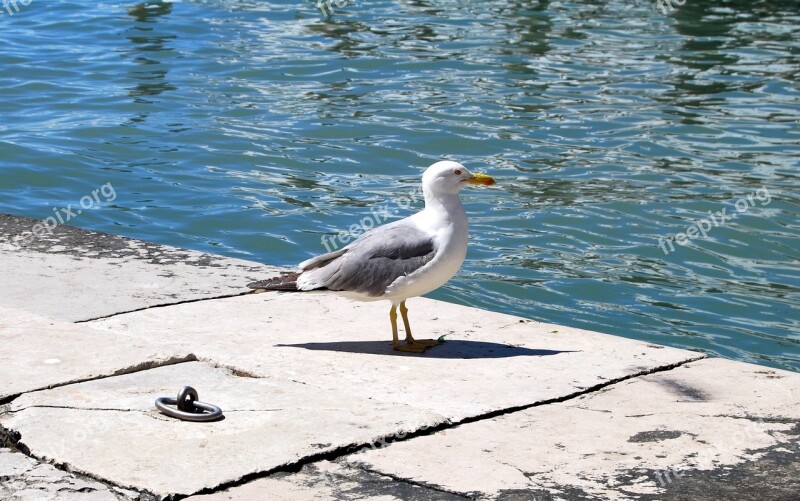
[481, 179]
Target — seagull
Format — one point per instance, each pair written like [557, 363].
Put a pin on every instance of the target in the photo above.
[399, 260]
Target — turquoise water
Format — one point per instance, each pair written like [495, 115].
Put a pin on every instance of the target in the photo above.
[253, 129]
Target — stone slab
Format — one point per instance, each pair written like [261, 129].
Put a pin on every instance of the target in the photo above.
[39, 352]
[328, 480]
[76, 275]
[308, 376]
[490, 362]
[713, 429]
[25, 479]
[110, 429]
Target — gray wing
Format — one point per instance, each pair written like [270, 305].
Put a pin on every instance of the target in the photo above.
[375, 260]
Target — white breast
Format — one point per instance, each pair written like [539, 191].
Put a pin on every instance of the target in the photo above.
[448, 225]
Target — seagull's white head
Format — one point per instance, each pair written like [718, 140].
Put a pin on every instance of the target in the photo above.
[448, 177]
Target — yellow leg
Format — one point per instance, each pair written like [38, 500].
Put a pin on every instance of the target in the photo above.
[427, 343]
[404, 313]
[393, 320]
[396, 344]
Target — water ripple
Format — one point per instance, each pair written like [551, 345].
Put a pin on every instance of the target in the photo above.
[253, 128]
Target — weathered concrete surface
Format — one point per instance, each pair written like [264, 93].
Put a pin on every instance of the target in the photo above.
[329, 480]
[507, 408]
[38, 352]
[110, 428]
[491, 362]
[75, 274]
[699, 431]
[23, 479]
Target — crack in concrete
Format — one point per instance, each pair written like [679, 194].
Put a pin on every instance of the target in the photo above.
[140, 367]
[44, 406]
[346, 450]
[12, 485]
[253, 410]
[231, 369]
[164, 305]
[13, 439]
[8, 399]
[112, 409]
[423, 485]
[571, 396]
[528, 476]
[750, 417]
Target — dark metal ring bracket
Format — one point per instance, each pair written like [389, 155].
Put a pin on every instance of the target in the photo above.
[189, 408]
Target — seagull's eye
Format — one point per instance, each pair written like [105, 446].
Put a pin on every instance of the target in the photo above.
[457, 172]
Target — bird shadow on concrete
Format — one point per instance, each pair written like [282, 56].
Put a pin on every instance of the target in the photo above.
[449, 349]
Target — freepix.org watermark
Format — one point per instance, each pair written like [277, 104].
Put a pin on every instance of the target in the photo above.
[714, 220]
[667, 6]
[62, 215]
[328, 6]
[707, 458]
[13, 6]
[377, 215]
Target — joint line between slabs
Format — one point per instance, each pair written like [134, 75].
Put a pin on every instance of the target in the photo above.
[164, 305]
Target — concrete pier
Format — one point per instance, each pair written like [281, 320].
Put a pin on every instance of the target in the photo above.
[316, 405]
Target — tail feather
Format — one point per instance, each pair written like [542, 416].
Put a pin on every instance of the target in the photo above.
[285, 282]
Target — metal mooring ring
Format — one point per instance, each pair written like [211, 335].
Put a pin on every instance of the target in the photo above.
[189, 408]
[186, 399]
